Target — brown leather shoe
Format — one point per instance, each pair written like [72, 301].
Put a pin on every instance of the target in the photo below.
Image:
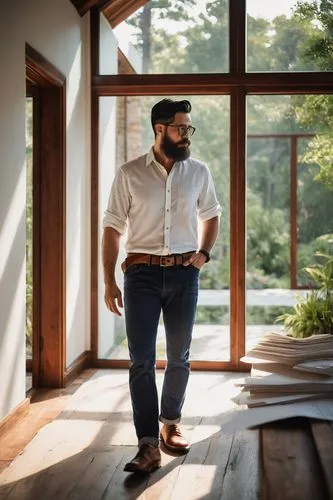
[148, 459]
[172, 438]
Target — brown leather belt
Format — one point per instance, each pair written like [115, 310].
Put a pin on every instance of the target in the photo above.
[175, 259]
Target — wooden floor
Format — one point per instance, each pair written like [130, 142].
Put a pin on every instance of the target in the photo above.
[80, 454]
[74, 443]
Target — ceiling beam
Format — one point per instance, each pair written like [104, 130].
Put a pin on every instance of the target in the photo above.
[213, 83]
[83, 6]
[119, 10]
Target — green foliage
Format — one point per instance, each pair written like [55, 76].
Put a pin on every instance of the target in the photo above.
[319, 46]
[313, 315]
[256, 279]
[286, 45]
[279, 45]
[146, 22]
[310, 253]
[258, 57]
[320, 153]
[318, 110]
[258, 315]
[314, 198]
[267, 238]
[208, 35]
[212, 315]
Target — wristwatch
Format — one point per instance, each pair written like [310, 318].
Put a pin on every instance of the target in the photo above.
[205, 253]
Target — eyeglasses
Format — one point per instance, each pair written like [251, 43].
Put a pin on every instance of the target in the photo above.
[183, 130]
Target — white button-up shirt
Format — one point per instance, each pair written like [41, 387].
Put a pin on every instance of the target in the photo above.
[161, 210]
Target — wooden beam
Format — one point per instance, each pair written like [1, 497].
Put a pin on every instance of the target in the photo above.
[205, 84]
[94, 217]
[83, 6]
[53, 248]
[94, 42]
[237, 223]
[39, 71]
[237, 36]
[293, 212]
[119, 10]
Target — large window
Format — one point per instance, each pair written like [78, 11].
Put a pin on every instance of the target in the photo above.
[258, 74]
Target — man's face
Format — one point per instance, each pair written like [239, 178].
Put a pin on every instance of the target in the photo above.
[173, 144]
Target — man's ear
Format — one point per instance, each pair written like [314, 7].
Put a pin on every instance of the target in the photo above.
[159, 128]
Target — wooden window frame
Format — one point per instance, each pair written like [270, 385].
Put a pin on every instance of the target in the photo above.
[238, 84]
[49, 213]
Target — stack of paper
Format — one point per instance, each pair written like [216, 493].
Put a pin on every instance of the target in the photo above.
[290, 350]
[287, 370]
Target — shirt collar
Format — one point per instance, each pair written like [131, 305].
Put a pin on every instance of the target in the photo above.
[150, 157]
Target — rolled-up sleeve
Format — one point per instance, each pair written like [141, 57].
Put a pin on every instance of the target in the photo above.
[118, 206]
[208, 205]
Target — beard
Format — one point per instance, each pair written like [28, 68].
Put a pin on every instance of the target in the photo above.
[175, 150]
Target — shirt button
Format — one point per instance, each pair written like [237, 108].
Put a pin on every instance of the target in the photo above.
[168, 210]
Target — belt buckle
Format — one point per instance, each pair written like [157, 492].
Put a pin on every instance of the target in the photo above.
[166, 261]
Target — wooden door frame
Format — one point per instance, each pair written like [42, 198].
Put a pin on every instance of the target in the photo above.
[49, 208]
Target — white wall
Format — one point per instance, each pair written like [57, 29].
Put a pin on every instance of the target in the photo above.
[56, 31]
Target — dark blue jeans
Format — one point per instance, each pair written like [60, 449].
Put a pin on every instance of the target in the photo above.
[148, 290]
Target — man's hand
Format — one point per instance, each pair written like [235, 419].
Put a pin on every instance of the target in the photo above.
[113, 298]
[197, 260]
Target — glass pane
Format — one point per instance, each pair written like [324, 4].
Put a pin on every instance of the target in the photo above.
[211, 145]
[268, 230]
[315, 185]
[276, 124]
[175, 37]
[288, 35]
[29, 238]
[271, 121]
[107, 167]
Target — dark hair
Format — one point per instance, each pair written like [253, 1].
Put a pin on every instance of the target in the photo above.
[165, 110]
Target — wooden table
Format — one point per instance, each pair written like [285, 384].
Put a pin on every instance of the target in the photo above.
[296, 460]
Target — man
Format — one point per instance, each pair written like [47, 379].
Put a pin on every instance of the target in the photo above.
[160, 196]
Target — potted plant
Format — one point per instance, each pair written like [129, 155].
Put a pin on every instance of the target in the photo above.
[313, 314]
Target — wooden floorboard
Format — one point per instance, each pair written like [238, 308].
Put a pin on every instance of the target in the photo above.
[241, 479]
[78, 440]
[85, 435]
[323, 438]
[291, 470]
